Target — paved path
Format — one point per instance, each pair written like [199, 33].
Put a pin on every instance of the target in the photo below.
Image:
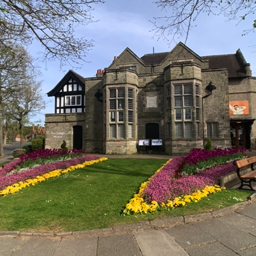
[226, 232]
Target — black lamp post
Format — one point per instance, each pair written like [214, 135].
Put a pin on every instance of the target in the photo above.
[210, 87]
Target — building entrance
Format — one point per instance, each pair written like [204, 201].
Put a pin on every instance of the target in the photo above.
[152, 131]
[77, 137]
[240, 132]
[238, 136]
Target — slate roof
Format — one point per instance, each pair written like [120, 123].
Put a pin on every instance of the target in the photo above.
[233, 62]
[229, 61]
[156, 58]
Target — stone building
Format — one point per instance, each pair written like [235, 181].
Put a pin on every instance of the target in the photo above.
[166, 102]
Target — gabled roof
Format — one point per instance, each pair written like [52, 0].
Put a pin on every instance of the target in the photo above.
[70, 74]
[158, 58]
[127, 49]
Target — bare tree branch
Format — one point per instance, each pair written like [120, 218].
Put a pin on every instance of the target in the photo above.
[181, 14]
[51, 22]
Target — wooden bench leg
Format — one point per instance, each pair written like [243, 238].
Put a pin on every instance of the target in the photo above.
[247, 182]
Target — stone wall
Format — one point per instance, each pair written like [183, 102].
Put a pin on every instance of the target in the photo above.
[151, 108]
[216, 106]
[121, 147]
[93, 135]
[59, 127]
[182, 146]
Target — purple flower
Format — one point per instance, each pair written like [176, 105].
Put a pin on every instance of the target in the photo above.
[164, 186]
[39, 170]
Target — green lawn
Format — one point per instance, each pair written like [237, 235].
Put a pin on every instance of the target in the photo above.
[93, 197]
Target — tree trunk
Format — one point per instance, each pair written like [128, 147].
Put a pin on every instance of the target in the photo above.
[21, 133]
[1, 120]
[5, 137]
[1, 135]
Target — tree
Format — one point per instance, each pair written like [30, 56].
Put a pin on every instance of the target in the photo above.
[10, 128]
[14, 63]
[27, 101]
[50, 22]
[182, 14]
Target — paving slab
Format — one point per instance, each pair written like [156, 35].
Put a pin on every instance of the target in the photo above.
[228, 235]
[37, 247]
[81, 246]
[117, 245]
[158, 242]
[240, 222]
[249, 211]
[248, 252]
[8, 245]
[189, 235]
[212, 249]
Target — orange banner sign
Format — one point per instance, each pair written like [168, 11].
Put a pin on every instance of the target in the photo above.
[239, 107]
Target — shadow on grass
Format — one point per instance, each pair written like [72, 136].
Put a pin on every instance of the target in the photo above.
[130, 167]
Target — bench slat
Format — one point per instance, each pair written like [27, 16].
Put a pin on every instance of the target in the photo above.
[244, 162]
[249, 175]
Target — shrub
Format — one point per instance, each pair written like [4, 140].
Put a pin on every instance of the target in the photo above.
[64, 145]
[18, 152]
[28, 148]
[208, 145]
[37, 144]
[41, 137]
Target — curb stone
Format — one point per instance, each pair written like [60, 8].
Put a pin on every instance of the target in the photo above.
[5, 233]
[252, 197]
[134, 226]
[168, 222]
[197, 217]
[224, 211]
[63, 233]
[94, 232]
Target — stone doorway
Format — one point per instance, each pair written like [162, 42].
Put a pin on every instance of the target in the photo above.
[77, 137]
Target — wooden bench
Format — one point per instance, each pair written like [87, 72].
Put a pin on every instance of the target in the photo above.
[247, 178]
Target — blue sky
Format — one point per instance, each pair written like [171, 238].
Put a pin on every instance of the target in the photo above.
[124, 24]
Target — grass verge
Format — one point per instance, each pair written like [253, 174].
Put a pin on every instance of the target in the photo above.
[94, 197]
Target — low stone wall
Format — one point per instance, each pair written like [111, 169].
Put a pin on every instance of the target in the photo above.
[121, 147]
[232, 179]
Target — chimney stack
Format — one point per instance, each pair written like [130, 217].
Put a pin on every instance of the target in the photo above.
[99, 73]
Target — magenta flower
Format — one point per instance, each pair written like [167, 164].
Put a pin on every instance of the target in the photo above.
[169, 183]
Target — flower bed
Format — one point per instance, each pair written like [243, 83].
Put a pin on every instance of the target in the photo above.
[200, 159]
[13, 183]
[170, 186]
[39, 157]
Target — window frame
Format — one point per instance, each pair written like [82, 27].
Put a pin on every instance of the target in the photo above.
[186, 100]
[70, 97]
[124, 105]
[214, 132]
